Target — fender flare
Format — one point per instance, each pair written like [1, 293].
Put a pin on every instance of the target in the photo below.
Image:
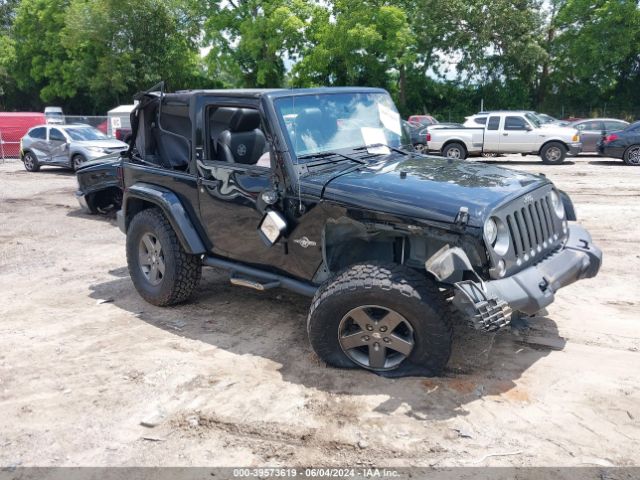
[171, 207]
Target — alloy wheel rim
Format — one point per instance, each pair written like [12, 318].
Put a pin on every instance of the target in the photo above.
[553, 154]
[76, 162]
[28, 161]
[376, 338]
[151, 258]
[453, 153]
[634, 156]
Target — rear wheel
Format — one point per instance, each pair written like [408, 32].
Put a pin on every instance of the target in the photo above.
[162, 272]
[455, 151]
[420, 148]
[553, 153]
[632, 156]
[382, 317]
[31, 163]
[77, 161]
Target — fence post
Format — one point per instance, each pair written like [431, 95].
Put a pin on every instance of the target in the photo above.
[2, 147]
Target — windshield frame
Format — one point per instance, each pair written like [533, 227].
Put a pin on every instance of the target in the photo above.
[309, 158]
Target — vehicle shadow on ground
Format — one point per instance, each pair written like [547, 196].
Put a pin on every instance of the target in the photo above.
[107, 216]
[506, 162]
[606, 163]
[272, 325]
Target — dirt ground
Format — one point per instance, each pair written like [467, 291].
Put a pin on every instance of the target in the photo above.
[230, 380]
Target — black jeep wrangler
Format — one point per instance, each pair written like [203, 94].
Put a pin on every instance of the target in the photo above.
[318, 191]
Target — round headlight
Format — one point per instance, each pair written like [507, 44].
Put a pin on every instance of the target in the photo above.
[490, 231]
[556, 203]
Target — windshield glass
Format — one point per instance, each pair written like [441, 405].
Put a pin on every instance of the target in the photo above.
[533, 119]
[85, 133]
[340, 121]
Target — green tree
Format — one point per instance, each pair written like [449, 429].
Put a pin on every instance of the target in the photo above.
[116, 50]
[249, 40]
[596, 52]
[357, 43]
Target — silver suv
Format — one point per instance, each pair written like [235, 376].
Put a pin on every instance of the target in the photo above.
[65, 146]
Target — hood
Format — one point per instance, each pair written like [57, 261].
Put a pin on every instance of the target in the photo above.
[427, 188]
[108, 160]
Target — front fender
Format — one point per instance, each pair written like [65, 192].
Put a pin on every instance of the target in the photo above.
[172, 208]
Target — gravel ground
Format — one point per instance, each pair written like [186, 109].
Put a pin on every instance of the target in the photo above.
[90, 374]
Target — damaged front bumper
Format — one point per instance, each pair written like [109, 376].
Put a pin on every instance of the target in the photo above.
[489, 305]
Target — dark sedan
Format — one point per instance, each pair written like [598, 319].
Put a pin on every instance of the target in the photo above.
[593, 129]
[624, 144]
[99, 188]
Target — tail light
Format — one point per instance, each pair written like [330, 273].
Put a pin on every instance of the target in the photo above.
[611, 138]
[428, 137]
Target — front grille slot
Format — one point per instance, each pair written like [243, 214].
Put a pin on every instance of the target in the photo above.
[532, 227]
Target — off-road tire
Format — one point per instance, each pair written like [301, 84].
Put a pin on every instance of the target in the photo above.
[632, 156]
[33, 165]
[182, 270]
[553, 153]
[453, 147]
[392, 286]
[76, 161]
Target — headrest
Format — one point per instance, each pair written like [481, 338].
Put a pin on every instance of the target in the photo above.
[222, 115]
[244, 120]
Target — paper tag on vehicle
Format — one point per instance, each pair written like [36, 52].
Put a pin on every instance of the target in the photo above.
[115, 122]
[375, 136]
[390, 119]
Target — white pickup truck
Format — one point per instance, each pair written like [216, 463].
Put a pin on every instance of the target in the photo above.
[507, 132]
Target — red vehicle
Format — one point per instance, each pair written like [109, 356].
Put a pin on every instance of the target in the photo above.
[13, 126]
[422, 120]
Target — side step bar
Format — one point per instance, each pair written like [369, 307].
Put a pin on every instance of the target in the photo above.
[246, 282]
[260, 280]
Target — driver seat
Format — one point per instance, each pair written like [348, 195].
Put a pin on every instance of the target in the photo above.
[243, 142]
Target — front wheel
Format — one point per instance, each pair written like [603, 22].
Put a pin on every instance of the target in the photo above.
[31, 163]
[162, 272]
[77, 161]
[382, 317]
[632, 156]
[553, 153]
[455, 151]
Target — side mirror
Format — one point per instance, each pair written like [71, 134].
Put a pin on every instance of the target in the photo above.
[528, 128]
[271, 228]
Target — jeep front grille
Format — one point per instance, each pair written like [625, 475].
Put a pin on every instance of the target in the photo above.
[532, 228]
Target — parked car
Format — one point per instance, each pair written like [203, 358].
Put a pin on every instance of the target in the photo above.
[65, 146]
[99, 188]
[624, 144]
[480, 119]
[13, 126]
[420, 134]
[508, 132]
[548, 119]
[54, 115]
[422, 120]
[392, 245]
[592, 131]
